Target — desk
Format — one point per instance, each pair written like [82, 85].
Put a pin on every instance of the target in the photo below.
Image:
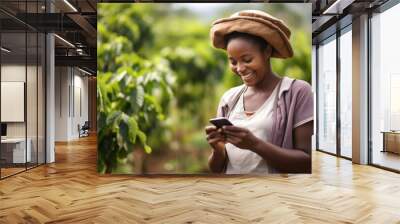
[391, 141]
[15, 148]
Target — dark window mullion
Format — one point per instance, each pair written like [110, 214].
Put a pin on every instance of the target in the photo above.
[369, 78]
[45, 87]
[37, 90]
[338, 73]
[316, 97]
[26, 86]
[0, 94]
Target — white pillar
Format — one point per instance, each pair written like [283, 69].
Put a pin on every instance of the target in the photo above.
[360, 90]
[50, 99]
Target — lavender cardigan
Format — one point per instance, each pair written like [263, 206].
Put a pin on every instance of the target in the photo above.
[293, 108]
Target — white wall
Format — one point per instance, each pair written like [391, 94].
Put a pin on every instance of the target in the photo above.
[12, 73]
[13, 100]
[62, 81]
[71, 87]
[80, 94]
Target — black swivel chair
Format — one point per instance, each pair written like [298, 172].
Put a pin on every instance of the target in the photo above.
[84, 130]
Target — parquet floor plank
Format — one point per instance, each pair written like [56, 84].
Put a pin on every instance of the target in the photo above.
[70, 191]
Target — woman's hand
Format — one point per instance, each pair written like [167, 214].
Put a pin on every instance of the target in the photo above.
[215, 138]
[218, 157]
[240, 137]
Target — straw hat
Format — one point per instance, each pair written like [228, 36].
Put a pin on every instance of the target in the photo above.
[258, 23]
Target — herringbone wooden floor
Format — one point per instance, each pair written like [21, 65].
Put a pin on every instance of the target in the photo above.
[70, 191]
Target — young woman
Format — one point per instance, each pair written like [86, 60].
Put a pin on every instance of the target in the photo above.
[272, 116]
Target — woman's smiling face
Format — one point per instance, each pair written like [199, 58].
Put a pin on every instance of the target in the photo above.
[248, 60]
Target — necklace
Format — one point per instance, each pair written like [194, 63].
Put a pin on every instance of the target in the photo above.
[249, 113]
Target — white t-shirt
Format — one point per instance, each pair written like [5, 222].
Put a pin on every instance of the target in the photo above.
[243, 161]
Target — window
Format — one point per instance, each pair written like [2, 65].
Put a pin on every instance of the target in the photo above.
[385, 88]
[346, 92]
[327, 95]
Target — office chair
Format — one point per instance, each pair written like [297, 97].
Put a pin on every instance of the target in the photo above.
[84, 130]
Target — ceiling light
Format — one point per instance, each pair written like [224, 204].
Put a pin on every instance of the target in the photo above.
[65, 41]
[5, 49]
[84, 71]
[80, 51]
[337, 7]
[70, 5]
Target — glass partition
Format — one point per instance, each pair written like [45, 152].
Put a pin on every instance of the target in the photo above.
[22, 89]
[14, 151]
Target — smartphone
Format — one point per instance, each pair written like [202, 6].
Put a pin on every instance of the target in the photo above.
[220, 121]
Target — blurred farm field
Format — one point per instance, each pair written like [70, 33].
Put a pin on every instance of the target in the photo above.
[160, 80]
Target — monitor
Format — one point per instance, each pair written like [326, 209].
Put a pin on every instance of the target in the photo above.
[3, 129]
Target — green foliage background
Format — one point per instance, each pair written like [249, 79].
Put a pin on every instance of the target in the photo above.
[159, 81]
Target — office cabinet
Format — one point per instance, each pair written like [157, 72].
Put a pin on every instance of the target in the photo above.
[391, 142]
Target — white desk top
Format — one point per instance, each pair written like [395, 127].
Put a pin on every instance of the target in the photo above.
[13, 140]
